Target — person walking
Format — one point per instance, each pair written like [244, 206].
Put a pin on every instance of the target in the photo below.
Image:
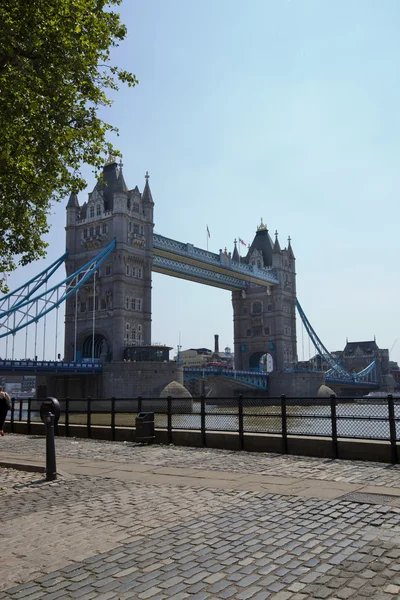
[5, 404]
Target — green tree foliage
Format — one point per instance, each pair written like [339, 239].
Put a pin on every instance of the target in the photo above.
[55, 73]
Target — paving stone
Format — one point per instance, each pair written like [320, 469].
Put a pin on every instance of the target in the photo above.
[198, 543]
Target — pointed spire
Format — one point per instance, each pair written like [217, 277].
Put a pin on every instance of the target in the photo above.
[147, 197]
[73, 201]
[262, 226]
[110, 160]
[235, 255]
[277, 247]
[290, 251]
[121, 186]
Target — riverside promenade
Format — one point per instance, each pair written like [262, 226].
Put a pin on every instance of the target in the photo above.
[126, 521]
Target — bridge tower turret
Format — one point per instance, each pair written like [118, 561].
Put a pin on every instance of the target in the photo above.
[119, 297]
[265, 318]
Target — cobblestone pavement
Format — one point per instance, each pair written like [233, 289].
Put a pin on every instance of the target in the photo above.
[9, 478]
[101, 538]
[213, 459]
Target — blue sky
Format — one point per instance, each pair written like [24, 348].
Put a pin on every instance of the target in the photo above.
[286, 110]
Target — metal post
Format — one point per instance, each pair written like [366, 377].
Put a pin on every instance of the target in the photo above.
[67, 417]
[392, 429]
[284, 425]
[20, 410]
[44, 331]
[169, 419]
[36, 326]
[241, 429]
[26, 341]
[139, 404]
[335, 449]
[203, 420]
[113, 419]
[76, 323]
[89, 417]
[29, 415]
[94, 312]
[51, 470]
[55, 345]
[7, 327]
[12, 415]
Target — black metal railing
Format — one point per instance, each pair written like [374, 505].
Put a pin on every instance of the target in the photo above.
[283, 417]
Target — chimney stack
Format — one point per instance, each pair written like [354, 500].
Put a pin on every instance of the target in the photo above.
[216, 343]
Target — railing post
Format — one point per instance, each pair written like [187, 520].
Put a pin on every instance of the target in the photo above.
[284, 425]
[20, 410]
[89, 417]
[240, 415]
[28, 417]
[392, 429]
[12, 415]
[335, 449]
[113, 419]
[203, 419]
[67, 417]
[139, 404]
[169, 419]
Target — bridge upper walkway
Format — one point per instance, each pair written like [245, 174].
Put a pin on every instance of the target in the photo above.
[186, 261]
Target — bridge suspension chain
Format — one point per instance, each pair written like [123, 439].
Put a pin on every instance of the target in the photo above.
[336, 371]
[32, 309]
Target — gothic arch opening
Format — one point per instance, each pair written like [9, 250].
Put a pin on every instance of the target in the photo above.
[87, 346]
[261, 361]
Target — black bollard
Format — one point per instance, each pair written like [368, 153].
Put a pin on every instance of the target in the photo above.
[50, 413]
[51, 469]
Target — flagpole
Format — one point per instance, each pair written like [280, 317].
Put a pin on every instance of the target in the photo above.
[207, 237]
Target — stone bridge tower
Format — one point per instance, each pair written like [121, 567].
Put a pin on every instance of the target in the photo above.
[265, 318]
[120, 303]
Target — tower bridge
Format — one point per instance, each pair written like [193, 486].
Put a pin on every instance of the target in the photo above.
[111, 252]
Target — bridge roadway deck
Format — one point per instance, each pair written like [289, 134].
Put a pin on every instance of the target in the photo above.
[130, 521]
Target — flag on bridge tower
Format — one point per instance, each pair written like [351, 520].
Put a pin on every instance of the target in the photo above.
[242, 242]
[208, 236]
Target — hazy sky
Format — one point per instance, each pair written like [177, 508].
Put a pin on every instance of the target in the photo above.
[286, 110]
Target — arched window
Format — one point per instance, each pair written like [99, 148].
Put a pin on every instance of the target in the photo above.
[127, 269]
[91, 212]
[257, 307]
[98, 210]
[127, 302]
[259, 264]
[104, 227]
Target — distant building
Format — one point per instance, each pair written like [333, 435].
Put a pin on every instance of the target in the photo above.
[357, 356]
[194, 357]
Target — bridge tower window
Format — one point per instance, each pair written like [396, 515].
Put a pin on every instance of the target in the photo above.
[257, 307]
[91, 212]
[98, 210]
